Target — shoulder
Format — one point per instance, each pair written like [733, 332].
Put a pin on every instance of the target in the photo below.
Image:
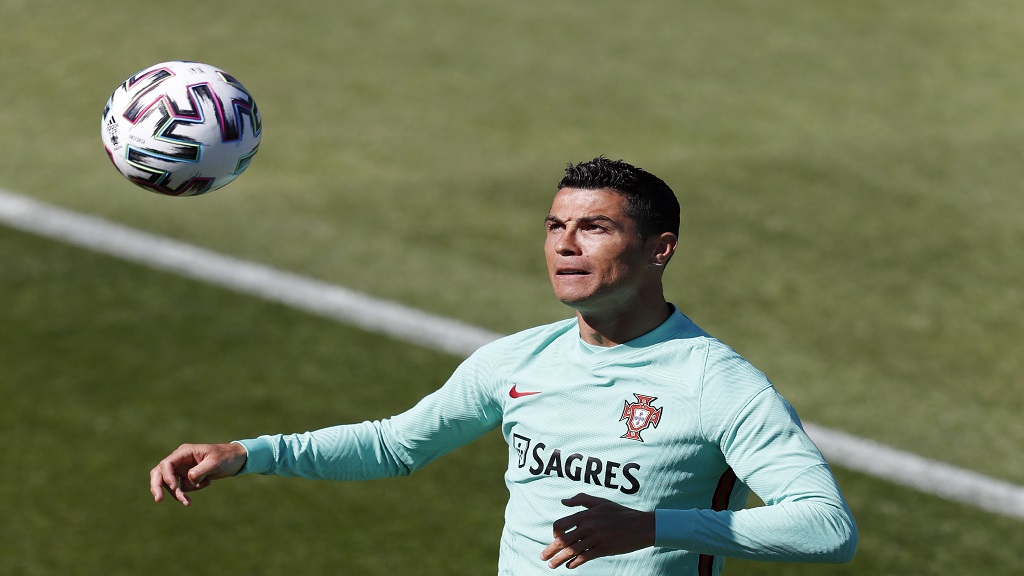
[680, 340]
[729, 382]
[526, 342]
[725, 364]
[733, 391]
[721, 363]
[726, 379]
[487, 368]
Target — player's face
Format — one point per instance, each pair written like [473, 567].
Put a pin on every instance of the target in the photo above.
[596, 260]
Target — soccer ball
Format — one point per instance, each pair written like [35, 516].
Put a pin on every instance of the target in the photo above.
[181, 128]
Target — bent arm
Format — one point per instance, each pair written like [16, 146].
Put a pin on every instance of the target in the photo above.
[810, 524]
[805, 518]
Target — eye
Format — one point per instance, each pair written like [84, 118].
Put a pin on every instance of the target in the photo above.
[552, 226]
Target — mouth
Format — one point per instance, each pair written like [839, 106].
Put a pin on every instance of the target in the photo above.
[571, 272]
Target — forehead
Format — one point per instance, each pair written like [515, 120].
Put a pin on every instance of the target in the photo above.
[582, 202]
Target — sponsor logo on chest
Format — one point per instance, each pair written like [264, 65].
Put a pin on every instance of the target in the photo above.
[539, 458]
[544, 460]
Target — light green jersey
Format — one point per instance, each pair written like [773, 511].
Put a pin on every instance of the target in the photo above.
[674, 421]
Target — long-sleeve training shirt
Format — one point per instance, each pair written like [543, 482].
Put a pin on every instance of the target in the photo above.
[674, 421]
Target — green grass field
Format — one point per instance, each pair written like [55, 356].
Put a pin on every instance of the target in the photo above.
[852, 224]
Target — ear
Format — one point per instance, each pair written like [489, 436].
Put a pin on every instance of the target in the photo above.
[662, 247]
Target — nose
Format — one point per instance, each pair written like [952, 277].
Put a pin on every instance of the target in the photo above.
[566, 244]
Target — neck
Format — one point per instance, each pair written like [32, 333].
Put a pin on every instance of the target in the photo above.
[614, 329]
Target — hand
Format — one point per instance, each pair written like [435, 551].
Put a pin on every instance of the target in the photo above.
[193, 467]
[603, 529]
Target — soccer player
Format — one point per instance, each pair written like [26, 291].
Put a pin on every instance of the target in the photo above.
[669, 432]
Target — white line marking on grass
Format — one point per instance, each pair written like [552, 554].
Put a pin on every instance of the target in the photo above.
[320, 298]
[446, 335]
[917, 472]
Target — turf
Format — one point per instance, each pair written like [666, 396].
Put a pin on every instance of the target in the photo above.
[852, 224]
[129, 371]
[90, 422]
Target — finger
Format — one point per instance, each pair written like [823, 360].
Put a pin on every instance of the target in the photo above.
[156, 485]
[556, 559]
[561, 541]
[180, 496]
[550, 550]
[583, 557]
[560, 558]
[562, 525]
[163, 476]
[556, 546]
[170, 480]
[199, 472]
[571, 555]
[188, 485]
[585, 500]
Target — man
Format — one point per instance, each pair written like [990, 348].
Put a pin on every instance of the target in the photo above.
[628, 411]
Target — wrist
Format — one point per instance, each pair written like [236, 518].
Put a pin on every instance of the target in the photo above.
[239, 456]
[673, 528]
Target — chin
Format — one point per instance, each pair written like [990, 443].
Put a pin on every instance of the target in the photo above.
[571, 294]
[576, 301]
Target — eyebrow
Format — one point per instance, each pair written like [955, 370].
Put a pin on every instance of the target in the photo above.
[584, 220]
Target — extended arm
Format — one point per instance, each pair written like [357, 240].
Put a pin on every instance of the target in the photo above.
[462, 410]
[456, 414]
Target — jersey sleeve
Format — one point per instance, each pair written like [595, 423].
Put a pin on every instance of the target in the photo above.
[459, 412]
[805, 518]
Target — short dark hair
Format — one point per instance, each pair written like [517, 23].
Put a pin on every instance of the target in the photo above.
[649, 201]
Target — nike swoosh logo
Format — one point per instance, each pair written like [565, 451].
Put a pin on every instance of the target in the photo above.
[517, 394]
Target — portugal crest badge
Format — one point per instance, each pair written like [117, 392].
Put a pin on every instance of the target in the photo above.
[639, 416]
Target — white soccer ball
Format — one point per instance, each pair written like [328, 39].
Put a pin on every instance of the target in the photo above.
[181, 128]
